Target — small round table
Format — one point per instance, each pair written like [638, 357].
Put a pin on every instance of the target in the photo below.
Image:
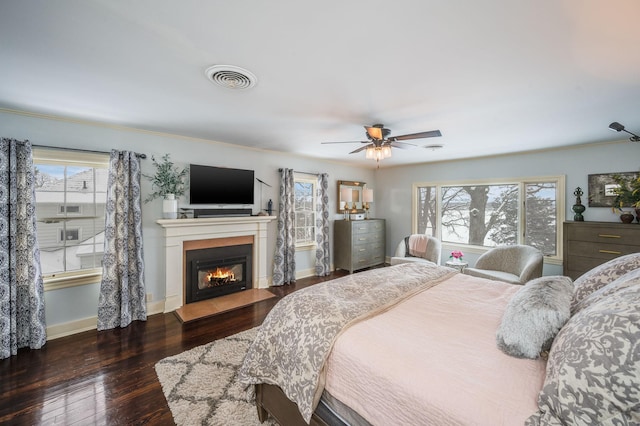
[457, 264]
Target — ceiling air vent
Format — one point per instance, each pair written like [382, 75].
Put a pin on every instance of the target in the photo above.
[231, 77]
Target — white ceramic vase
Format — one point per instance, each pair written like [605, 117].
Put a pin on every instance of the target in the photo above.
[170, 207]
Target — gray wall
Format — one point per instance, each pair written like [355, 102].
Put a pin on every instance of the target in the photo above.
[394, 184]
[78, 303]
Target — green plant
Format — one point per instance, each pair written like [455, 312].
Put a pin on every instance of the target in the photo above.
[627, 192]
[167, 179]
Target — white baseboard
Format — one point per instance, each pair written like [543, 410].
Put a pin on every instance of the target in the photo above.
[78, 326]
[305, 273]
[68, 328]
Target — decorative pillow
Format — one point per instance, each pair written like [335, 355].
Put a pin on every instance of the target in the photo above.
[534, 315]
[602, 275]
[629, 279]
[593, 371]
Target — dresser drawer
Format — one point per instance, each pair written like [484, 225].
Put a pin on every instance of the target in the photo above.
[362, 239]
[590, 244]
[367, 256]
[362, 259]
[360, 250]
[609, 235]
[367, 226]
[599, 250]
[367, 238]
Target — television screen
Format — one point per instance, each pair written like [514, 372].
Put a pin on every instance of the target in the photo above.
[220, 185]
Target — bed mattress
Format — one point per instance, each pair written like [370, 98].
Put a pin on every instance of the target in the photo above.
[432, 359]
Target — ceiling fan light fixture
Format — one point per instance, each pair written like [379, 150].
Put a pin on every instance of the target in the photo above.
[370, 153]
[378, 152]
[380, 144]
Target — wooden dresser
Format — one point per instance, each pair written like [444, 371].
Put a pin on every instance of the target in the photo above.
[358, 244]
[589, 244]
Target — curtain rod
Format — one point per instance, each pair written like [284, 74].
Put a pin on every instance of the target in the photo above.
[306, 173]
[143, 156]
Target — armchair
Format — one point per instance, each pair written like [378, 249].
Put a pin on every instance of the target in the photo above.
[514, 264]
[433, 251]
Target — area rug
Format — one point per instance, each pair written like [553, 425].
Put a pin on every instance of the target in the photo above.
[200, 385]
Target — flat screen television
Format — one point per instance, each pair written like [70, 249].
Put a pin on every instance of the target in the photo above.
[220, 185]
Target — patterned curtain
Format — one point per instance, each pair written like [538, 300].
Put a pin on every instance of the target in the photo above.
[22, 322]
[122, 290]
[323, 263]
[284, 263]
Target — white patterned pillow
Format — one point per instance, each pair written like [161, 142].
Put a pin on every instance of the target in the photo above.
[602, 275]
[534, 315]
[629, 279]
[593, 372]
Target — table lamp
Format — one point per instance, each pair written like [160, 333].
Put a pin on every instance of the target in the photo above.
[367, 197]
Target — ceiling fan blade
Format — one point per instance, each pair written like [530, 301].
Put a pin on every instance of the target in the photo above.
[326, 143]
[402, 145]
[361, 149]
[374, 132]
[421, 135]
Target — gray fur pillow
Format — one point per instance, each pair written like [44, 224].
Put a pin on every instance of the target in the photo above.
[534, 315]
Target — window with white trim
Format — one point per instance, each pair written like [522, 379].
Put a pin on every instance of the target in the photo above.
[305, 210]
[70, 210]
[69, 234]
[490, 213]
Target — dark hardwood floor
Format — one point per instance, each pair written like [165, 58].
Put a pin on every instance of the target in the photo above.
[108, 377]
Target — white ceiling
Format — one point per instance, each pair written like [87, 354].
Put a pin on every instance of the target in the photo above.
[495, 76]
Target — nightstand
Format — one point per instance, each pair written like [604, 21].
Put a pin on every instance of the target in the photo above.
[457, 264]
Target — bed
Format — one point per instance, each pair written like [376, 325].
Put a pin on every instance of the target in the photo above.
[424, 344]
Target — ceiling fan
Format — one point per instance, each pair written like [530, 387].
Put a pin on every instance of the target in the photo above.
[379, 143]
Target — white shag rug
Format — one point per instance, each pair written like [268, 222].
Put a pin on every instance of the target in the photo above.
[200, 385]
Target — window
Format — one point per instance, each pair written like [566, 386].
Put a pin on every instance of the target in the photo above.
[487, 214]
[70, 209]
[305, 208]
[69, 234]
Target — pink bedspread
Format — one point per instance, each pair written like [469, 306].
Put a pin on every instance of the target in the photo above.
[433, 359]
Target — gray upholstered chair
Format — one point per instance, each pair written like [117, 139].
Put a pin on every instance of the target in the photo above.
[514, 264]
[433, 254]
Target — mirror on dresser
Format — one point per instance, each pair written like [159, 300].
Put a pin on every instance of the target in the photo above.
[354, 201]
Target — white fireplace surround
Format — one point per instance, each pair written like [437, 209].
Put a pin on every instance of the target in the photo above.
[177, 231]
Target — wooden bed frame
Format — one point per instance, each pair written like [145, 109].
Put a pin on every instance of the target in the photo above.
[271, 400]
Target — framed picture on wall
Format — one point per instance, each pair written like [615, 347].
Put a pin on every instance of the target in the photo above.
[601, 188]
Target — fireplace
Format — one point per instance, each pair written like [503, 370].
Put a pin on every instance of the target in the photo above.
[217, 271]
[182, 235]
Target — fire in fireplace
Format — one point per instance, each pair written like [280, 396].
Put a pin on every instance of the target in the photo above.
[213, 272]
[220, 276]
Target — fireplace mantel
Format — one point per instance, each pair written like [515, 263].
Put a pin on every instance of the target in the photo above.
[177, 231]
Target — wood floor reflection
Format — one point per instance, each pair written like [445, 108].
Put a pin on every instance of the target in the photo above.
[107, 377]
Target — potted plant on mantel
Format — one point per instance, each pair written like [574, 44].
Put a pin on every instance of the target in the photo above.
[167, 183]
[627, 195]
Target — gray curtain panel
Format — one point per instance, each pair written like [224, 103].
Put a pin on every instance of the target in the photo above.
[122, 290]
[284, 263]
[323, 262]
[22, 321]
